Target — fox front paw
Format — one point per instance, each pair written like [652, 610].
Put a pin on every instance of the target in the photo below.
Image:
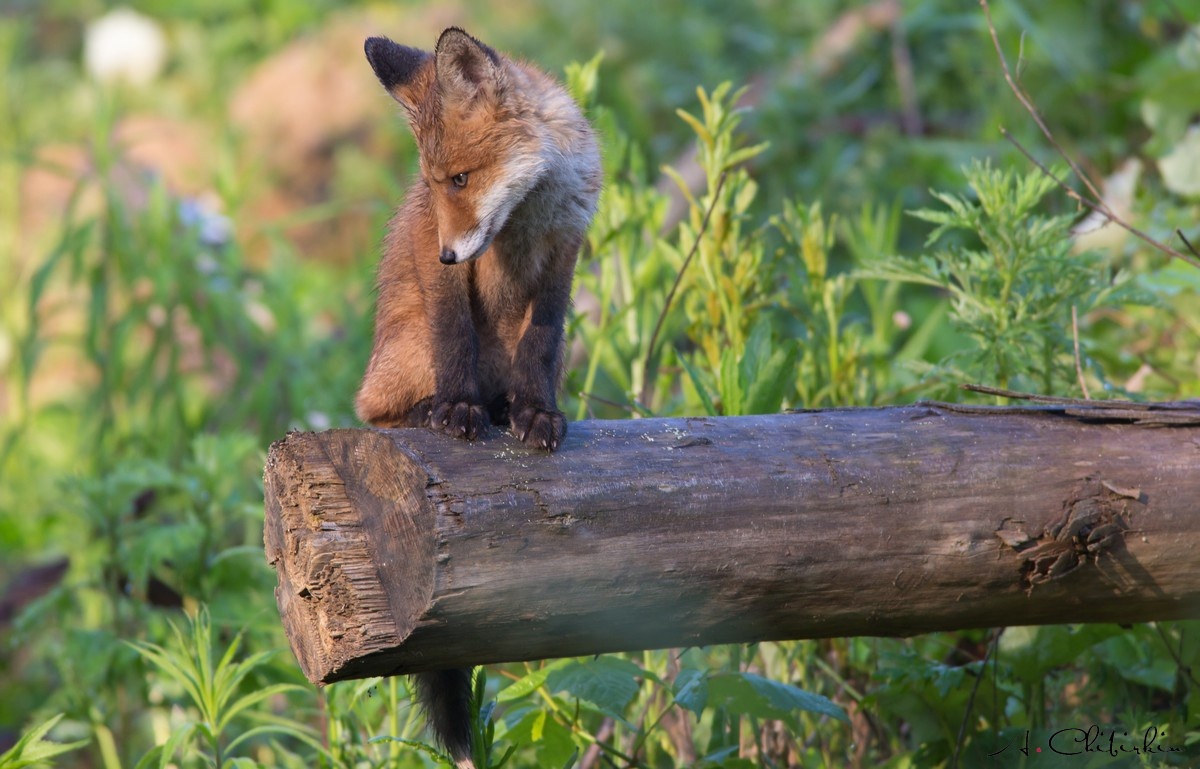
[538, 428]
[461, 419]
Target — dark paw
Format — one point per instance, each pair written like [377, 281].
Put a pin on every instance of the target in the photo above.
[418, 415]
[538, 428]
[460, 419]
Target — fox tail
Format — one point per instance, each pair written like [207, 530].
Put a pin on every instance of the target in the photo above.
[445, 696]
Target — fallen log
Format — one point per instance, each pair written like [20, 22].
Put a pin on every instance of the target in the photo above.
[404, 550]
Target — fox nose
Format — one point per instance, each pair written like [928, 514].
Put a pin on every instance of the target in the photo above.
[448, 256]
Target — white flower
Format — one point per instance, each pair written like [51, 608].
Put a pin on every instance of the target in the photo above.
[318, 420]
[124, 45]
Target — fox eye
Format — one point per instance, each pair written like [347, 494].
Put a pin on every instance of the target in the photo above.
[459, 180]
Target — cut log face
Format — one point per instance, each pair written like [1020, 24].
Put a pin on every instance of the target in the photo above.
[405, 550]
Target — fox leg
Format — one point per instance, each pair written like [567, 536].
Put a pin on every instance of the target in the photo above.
[457, 408]
[537, 362]
[395, 389]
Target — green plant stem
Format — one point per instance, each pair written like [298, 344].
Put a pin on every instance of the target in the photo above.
[716, 196]
[109, 754]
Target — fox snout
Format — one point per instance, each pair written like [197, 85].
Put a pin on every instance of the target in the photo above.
[466, 248]
[452, 255]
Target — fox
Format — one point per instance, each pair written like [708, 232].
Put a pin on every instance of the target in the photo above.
[474, 285]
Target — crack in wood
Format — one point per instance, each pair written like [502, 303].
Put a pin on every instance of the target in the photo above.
[1093, 521]
[1171, 414]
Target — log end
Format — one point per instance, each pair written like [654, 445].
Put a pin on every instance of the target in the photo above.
[341, 507]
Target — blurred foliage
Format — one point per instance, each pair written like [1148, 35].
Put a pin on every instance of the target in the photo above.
[807, 205]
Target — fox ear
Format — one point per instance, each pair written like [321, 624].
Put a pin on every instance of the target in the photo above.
[466, 68]
[395, 66]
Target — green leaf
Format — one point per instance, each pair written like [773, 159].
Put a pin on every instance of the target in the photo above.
[768, 384]
[1035, 651]
[746, 153]
[251, 699]
[425, 748]
[691, 689]
[529, 682]
[551, 741]
[582, 78]
[921, 338]
[177, 670]
[730, 383]
[164, 755]
[701, 389]
[682, 184]
[1135, 656]
[32, 748]
[720, 756]
[504, 759]
[696, 125]
[754, 695]
[608, 682]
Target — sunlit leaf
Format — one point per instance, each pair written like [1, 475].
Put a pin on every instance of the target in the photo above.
[754, 695]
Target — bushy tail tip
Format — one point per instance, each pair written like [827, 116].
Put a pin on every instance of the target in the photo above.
[445, 696]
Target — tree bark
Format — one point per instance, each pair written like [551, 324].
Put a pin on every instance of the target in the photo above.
[404, 550]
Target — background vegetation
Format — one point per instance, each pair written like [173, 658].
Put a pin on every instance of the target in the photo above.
[187, 266]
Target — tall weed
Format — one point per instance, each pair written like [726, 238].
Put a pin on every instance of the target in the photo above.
[1011, 278]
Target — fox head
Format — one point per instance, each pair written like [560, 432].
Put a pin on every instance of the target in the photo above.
[480, 151]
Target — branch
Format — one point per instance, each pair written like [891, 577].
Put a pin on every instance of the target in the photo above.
[1096, 201]
[1101, 207]
[716, 197]
[993, 644]
[1187, 242]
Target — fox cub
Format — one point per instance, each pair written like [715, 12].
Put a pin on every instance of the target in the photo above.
[476, 273]
[475, 279]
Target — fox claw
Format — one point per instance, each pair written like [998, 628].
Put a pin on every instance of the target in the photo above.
[460, 419]
[538, 428]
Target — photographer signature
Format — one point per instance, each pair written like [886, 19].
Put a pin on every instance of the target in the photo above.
[1076, 741]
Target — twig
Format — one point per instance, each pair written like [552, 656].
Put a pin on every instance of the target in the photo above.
[1183, 667]
[1027, 103]
[1017, 395]
[1061, 401]
[1159, 413]
[962, 727]
[1096, 201]
[1183, 237]
[594, 754]
[716, 196]
[1078, 363]
[1100, 207]
[635, 409]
